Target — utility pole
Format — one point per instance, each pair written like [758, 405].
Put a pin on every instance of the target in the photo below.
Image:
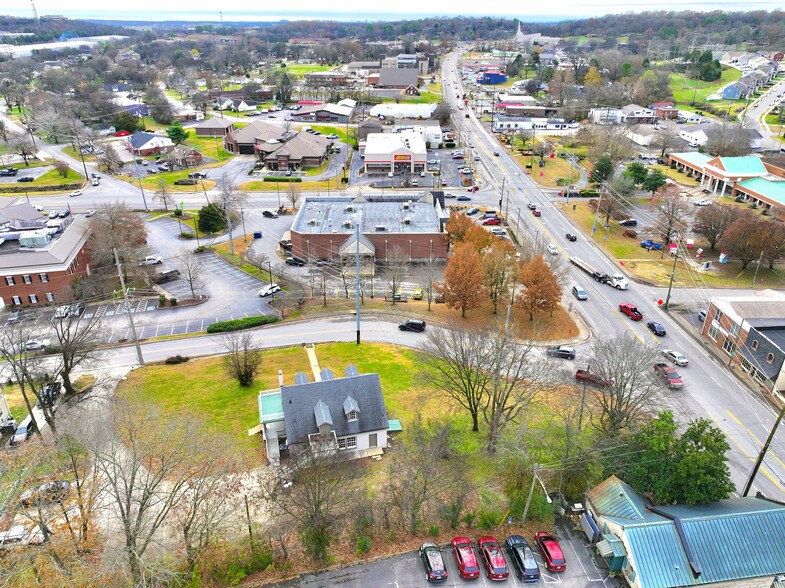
[501, 196]
[762, 453]
[357, 277]
[757, 267]
[128, 306]
[228, 220]
[531, 492]
[144, 200]
[670, 284]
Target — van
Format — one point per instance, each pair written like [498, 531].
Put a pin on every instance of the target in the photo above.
[579, 292]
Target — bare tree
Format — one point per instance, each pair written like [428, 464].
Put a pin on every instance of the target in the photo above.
[191, 270]
[395, 268]
[109, 158]
[243, 357]
[431, 274]
[62, 168]
[712, 221]
[616, 196]
[632, 387]
[672, 210]
[76, 340]
[163, 194]
[293, 194]
[22, 144]
[666, 138]
[257, 258]
[611, 141]
[728, 140]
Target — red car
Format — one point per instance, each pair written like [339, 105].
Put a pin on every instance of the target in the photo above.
[536, 213]
[631, 311]
[468, 568]
[551, 552]
[473, 189]
[493, 558]
[669, 375]
[492, 221]
[122, 134]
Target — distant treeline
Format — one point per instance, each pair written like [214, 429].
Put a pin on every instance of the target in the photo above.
[49, 30]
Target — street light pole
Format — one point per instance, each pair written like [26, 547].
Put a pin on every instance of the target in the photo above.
[144, 200]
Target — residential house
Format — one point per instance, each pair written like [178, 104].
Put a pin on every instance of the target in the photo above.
[664, 110]
[245, 140]
[105, 130]
[736, 91]
[144, 143]
[632, 114]
[642, 134]
[117, 87]
[39, 260]
[606, 116]
[397, 78]
[299, 151]
[185, 156]
[214, 127]
[412, 91]
[186, 114]
[688, 117]
[135, 107]
[695, 136]
[237, 105]
[681, 545]
[347, 413]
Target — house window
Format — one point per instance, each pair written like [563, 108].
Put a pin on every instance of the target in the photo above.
[351, 443]
[754, 345]
[713, 332]
[352, 416]
[342, 443]
[770, 358]
[718, 315]
[43, 277]
[27, 279]
[33, 299]
[734, 329]
[50, 297]
[746, 365]
[17, 300]
[9, 280]
[729, 346]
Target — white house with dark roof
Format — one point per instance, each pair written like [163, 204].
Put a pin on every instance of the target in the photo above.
[347, 412]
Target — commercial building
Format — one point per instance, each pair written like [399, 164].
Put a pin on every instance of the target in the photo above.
[340, 112]
[244, 141]
[325, 228]
[214, 127]
[38, 259]
[403, 110]
[492, 77]
[294, 151]
[394, 152]
[143, 143]
[325, 78]
[746, 176]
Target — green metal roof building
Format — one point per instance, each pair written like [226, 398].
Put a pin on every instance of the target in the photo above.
[737, 542]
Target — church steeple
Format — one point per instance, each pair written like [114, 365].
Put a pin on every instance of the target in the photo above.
[519, 36]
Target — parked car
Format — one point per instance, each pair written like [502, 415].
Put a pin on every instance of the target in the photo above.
[36, 344]
[468, 567]
[669, 375]
[493, 558]
[89, 213]
[703, 202]
[561, 351]
[628, 222]
[571, 237]
[656, 328]
[702, 315]
[551, 552]
[23, 431]
[45, 493]
[417, 294]
[269, 214]
[631, 311]
[416, 325]
[64, 213]
[167, 276]
[492, 221]
[579, 292]
[151, 171]
[294, 261]
[675, 357]
[25, 179]
[651, 245]
[54, 213]
[19, 535]
[62, 312]
[473, 189]
[522, 559]
[269, 290]
[472, 210]
[152, 260]
[432, 561]
[593, 378]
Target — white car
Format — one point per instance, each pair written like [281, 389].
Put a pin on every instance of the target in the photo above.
[152, 260]
[75, 193]
[89, 213]
[675, 357]
[702, 202]
[269, 290]
[38, 208]
[552, 249]
[36, 344]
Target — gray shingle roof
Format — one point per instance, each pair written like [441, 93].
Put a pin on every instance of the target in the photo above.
[301, 401]
[398, 77]
[257, 130]
[214, 123]
[140, 138]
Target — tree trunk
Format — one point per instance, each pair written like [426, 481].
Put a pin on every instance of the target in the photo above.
[68, 386]
[475, 422]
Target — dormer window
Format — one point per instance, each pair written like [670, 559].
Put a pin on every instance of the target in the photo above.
[352, 416]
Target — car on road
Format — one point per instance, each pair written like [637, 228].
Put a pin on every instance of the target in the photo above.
[702, 315]
[631, 311]
[463, 198]
[89, 213]
[492, 221]
[496, 153]
[656, 328]
[94, 182]
[55, 491]
[571, 237]
[295, 261]
[552, 249]
[269, 214]
[152, 260]
[414, 325]
[145, 162]
[476, 158]
[8, 171]
[36, 344]
[417, 294]
[472, 210]
[269, 290]
[75, 193]
[522, 559]
[332, 136]
[536, 213]
[531, 206]
[64, 213]
[433, 562]
[579, 292]
[703, 202]
[448, 195]
[669, 375]
[649, 244]
[593, 378]
[25, 179]
[628, 222]
[465, 559]
[675, 357]
[472, 189]
[151, 171]
[551, 552]
[561, 351]
[493, 558]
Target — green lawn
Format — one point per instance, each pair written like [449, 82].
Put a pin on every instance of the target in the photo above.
[423, 98]
[151, 182]
[54, 177]
[211, 147]
[299, 69]
[685, 89]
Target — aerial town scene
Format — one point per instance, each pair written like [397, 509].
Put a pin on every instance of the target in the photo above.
[390, 297]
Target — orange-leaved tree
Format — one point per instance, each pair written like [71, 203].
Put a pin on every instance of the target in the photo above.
[542, 292]
[499, 271]
[462, 287]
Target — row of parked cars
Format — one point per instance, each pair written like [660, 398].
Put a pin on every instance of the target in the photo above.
[492, 558]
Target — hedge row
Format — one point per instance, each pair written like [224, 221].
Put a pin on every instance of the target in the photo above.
[282, 179]
[21, 188]
[240, 324]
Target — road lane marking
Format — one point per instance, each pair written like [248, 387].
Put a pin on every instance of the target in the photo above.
[754, 436]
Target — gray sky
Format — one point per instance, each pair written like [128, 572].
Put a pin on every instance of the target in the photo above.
[152, 10]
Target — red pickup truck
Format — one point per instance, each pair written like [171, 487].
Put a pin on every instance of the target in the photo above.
[669, 375]
[631, 311]
[593, 378]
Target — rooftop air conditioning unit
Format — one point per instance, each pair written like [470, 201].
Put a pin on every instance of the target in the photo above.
[406, 206]
[349, 208]
[380, 228]
[407, 221]
[312, 222]
[347, 224]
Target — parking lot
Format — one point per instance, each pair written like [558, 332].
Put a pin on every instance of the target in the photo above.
[406, 571]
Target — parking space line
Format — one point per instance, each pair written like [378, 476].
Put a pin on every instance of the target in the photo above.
[585, 572]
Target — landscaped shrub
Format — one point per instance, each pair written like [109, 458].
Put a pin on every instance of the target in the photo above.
[175, 359]
[363, 545]
[240, 324]
[588, 193]
[451, 512]
[282, 179]
[173, 301]
[211, 219]
[489, 517]
[433, 530]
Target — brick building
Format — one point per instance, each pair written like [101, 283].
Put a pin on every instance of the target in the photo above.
[38, 259]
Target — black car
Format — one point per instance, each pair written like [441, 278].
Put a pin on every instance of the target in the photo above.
[522, 559]
[496, 153]
[295, 261]
[9, 171]
[571, 237]
[64, 213]
[269, 214]
[76, 309]
[49, 394]
[432, 561]
[25, 179]
[415, 325]
[630, 222]
[656, 328]
[167, 276]
[561, 351]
